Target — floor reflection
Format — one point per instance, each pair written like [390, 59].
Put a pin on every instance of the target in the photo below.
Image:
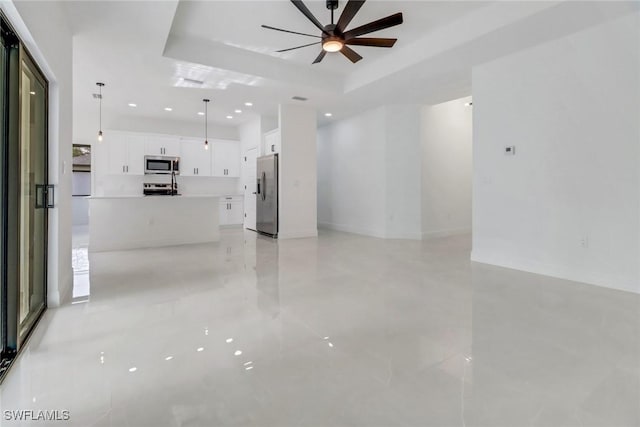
[80, 263]
[342, 330]
[267, 277]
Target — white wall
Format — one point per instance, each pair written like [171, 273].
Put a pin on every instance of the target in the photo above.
[43, 29]
[446, 168]
[297, 181]
[369, 173]
[403, 171]
[268, 123]
[352, 175]
[567, 204]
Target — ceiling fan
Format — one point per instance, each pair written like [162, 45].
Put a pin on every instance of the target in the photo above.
[334, 38]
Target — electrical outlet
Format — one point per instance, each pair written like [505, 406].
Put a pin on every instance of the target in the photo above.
[584, 241]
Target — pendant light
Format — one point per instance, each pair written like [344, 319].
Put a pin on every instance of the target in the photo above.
[206, 115]
[100, 114]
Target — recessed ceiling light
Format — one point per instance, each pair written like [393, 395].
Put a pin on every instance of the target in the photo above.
[249, 104]
[32, 93]
[237, 353]
[168, 358]
[200, 349]
[328, 114]
[132, 105]
[168, 109]
[229, 117]
[200, 113]
[238, 111]
[133, 369]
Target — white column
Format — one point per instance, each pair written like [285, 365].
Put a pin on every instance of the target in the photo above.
[297, 172]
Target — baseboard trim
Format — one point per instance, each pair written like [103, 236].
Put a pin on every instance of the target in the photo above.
[365, 232]
[134, 245]
[349, 229]
[557, 271]
[445, 233]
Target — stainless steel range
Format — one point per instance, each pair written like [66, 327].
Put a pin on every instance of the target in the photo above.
[156, 189]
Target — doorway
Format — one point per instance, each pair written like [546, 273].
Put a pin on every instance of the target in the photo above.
[250, 157]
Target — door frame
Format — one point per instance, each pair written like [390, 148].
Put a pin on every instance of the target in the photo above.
[247, 182]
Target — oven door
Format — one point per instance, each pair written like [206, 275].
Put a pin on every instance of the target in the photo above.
[158, 165]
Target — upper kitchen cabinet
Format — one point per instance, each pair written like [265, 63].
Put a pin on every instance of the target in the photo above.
[161, 145]
[194, 159]
[126, 153]
[271, 142]
[226, 158]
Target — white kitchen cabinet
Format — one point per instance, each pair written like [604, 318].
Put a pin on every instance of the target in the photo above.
[231, 210]
[271, 142]
[194, 159]
[126, 153]
[161, 145]
[226, 158]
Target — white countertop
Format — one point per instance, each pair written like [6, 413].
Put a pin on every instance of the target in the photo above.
[182, 196]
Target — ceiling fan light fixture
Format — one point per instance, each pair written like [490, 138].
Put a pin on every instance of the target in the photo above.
[332, 44]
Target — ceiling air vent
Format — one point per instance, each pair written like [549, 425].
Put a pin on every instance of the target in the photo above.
[299, 98]
[97, 96]
[192, 81]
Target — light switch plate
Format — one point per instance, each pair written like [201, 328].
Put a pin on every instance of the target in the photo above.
[510, 150]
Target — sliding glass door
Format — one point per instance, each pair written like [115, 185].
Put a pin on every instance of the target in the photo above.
[33, 195]
[3, 203]
[25, 194]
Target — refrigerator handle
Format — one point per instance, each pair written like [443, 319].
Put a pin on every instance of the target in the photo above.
[257, 187]
[264, 183]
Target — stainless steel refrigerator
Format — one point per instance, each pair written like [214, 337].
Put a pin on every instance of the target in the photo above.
[267, 195]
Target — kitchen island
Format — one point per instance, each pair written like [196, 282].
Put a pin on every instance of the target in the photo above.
[133, 222]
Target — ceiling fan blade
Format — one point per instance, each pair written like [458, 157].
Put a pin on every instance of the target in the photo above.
[320, 57]
[306, 12]
[350, 53]
[375, 42]
[349, 11]
[298, 47]
[289, 31]
[380, 24]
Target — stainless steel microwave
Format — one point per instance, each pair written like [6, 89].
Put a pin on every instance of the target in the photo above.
[154, 165]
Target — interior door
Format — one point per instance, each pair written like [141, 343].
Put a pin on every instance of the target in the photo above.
[249, 164]
[35, 196]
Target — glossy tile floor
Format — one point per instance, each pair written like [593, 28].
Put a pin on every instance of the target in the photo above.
[342, 330]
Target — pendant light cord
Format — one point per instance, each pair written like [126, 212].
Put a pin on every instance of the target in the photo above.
[100, 115]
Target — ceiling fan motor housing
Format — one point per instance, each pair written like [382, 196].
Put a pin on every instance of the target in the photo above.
[330, 31]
